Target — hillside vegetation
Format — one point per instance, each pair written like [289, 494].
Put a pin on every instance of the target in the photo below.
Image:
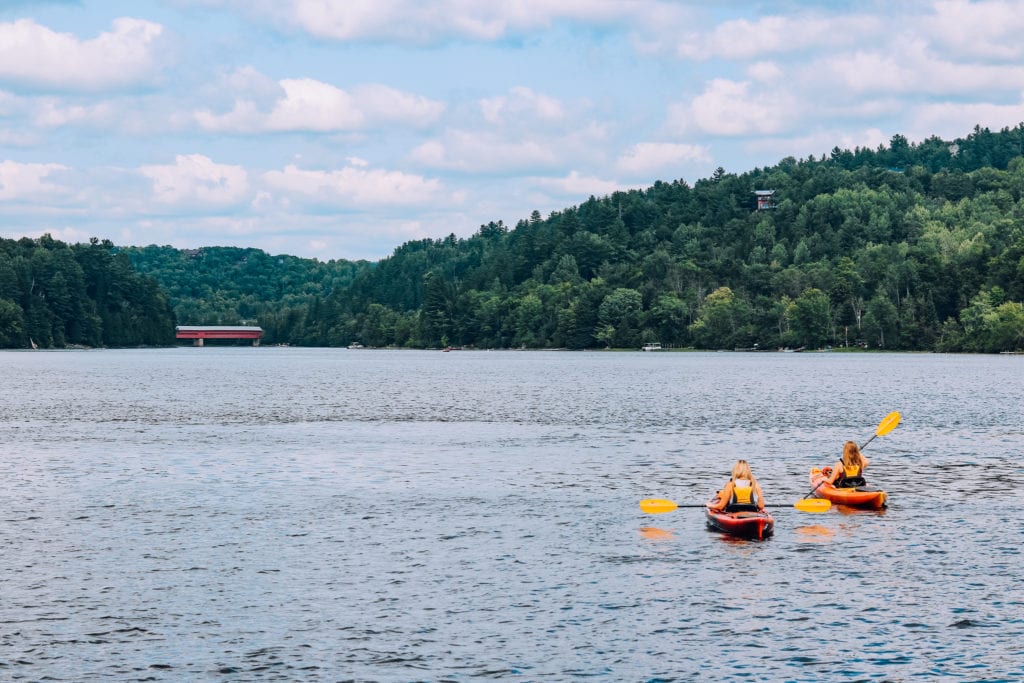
[908, 246]
[53, 295]
[235, 286]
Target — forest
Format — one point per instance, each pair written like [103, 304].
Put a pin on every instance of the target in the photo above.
[236, 286]
[55, 295]
[910, 246]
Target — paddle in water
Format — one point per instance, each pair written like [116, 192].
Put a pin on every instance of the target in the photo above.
[887, 424]
[655, 506]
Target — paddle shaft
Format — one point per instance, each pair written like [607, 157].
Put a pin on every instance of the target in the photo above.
[701, 505]
[656, 506]
[865, 445]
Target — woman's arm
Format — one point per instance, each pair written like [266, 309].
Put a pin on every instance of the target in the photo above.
[760, 495]
[836, 469]
[723, 497]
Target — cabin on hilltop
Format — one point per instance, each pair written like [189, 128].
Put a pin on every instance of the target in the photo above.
[765, 199]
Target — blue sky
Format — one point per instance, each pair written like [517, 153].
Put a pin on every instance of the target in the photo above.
[343, 129]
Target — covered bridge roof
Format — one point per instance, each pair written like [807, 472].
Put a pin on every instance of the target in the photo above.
[218, 332]
[210, 328]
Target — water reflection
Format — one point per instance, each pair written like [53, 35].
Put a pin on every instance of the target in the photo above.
[815, 533]
[655, 534]
[848, 510]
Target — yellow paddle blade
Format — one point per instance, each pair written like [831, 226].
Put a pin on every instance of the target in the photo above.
[657, 505]
[888, 423]
[813, 505]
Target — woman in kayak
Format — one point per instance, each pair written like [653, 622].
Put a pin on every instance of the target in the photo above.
[741, 492]
[850, 470]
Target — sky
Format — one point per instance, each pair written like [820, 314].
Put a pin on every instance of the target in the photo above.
[343, 129]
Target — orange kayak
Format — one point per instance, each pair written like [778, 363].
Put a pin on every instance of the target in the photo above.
[854, 496]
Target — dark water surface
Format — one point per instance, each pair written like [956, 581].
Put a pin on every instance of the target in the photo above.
[238, 514]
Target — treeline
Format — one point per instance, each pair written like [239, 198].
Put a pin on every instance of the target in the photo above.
[908, 246]
[55, 295]
[237, 286]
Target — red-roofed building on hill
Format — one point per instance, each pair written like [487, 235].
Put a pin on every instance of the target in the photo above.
[765, 199]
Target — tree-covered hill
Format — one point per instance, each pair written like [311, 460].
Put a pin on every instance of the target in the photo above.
[909, 246]
[235, 286]
[54, 295]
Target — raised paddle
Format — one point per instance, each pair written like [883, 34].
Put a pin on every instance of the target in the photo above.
[887, 424]
[655, 506]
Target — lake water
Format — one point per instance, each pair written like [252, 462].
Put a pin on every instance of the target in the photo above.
[284, 514]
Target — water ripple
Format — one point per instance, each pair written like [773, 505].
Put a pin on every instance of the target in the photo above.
[294, 514]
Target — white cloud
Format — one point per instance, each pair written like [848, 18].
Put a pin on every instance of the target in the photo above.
[745, 39]
[765, 72]
[524, 131]
[312, 105]
[18, 138]
[983, 29]
[956, 119]
[913, 67]
[28, 181]
[729, 107]
[196, 179]
[37, 116]
[306, 104]
[522, 102]
[645, 158]
[484, 151]
[52, 113]
[38, 56]
[354, 185]
[382, 103]
[520, 130]
[863, 71]
[429, 22]
[576, 185]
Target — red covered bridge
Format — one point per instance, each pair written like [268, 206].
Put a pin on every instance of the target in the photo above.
[198, 333]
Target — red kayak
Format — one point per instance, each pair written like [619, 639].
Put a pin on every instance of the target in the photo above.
[854, 496]
[745, 523]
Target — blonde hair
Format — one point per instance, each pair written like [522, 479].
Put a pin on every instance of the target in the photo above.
[741, 470]
[851, 454]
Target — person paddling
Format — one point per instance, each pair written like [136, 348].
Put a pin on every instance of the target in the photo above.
[849, 471]
[741, 492]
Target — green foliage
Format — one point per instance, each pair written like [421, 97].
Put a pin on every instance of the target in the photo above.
[810, 319]
[53, 295]
[723, 321]
[992, 324]
[285, 295]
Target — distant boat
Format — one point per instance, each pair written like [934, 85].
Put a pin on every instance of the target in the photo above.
[356, 345]
[652, 346]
